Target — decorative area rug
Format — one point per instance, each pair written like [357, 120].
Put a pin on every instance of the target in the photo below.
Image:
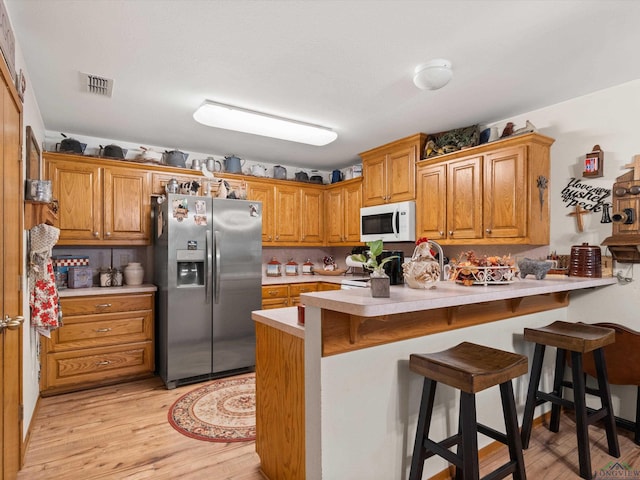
[223, 410]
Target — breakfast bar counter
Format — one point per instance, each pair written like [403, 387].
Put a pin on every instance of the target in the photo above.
[335, 398]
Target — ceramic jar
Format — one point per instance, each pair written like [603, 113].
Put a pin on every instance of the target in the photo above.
[423, 270]
[133, 274]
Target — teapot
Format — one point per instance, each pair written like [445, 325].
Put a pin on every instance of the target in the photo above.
[233, 164]
[258, 170]
[175, 158]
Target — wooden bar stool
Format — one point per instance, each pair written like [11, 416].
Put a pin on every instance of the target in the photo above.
[470, 368]
[578, 339]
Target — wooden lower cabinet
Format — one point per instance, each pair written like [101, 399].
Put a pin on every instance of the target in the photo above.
[288, 294]
[105, 339]
[280, 424]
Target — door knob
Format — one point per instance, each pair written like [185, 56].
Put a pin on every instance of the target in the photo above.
[11, 323]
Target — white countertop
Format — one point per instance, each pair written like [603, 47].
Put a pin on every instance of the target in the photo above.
[125, 289]
[285, 279]
[285, 319]
[358, 301]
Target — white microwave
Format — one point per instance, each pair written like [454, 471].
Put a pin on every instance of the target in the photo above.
[391, 222]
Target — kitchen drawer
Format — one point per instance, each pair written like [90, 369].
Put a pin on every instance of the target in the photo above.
[83, 331]
[106, 304]
[296, 289]
[325, 286]
[275, 291]
[66, 371]
[281, 302]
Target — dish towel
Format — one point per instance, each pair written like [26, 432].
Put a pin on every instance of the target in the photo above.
[43, 293]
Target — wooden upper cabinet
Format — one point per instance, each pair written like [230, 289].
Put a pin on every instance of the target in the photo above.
[342, 205]
[464, 199]
[78, 189]
[505, 205]
[491, 193]
[265, 193]
[389, 171]
[312, 212]
[287, 210]
[127, 205]
[100, 204]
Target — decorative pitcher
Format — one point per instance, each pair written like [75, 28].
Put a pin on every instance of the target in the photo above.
[423, 270]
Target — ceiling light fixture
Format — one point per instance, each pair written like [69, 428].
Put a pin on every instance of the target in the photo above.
[228, 117]
[433, 75]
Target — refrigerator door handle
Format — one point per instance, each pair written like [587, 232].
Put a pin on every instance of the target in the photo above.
[208, 276]
[216, 246]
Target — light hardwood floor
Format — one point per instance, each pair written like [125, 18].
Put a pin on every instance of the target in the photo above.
[122, 432]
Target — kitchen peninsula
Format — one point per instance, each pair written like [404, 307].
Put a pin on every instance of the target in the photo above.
[335, 398]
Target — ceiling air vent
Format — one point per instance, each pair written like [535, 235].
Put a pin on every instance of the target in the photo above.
[96, 84]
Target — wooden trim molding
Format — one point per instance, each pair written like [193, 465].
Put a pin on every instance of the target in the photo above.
[342, 332]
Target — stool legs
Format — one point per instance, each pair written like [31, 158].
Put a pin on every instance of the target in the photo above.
[583, 418]
[531, 403]
[511, 426]
[422, 431]
[468, 438]
[582, 425]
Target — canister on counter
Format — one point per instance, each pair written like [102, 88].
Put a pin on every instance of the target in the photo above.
[307, 267]
[274, 268]
[291, 268]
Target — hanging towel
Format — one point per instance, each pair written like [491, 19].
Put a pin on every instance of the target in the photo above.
[43, 293]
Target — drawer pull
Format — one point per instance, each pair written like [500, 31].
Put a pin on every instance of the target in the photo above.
[102, 330]
[272, 292]
[103, 305]
[104, 362]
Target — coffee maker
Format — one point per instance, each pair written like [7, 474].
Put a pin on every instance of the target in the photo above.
[393, 268]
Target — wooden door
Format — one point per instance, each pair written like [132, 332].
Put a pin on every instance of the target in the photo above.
[374, 180]
[127, 206]
[352, 199]
[335, 215]
[464, 198]
[431, 214]
[505, 206]
[265, 193]
[312, 221]
[401, 174]
[78, 189]
[11, 188]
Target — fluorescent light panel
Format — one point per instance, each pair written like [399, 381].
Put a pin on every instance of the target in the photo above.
[228, 117]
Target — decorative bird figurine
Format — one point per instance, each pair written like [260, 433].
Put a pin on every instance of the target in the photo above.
[508, 130]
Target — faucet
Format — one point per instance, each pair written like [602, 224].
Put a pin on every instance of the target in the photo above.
[437, 246]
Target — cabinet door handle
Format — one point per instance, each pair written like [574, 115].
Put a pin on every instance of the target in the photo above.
[441, 233]
[108, 234]
[103, 305]
[103, 363]
[102, 330]
[451, 233]
[488, 230]
[96, 234]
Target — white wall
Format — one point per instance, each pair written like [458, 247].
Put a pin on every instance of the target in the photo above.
[609, 118]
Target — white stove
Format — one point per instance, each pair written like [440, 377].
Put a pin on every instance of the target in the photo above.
[350, 283]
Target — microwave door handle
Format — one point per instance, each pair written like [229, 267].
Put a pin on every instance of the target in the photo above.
[395, 224]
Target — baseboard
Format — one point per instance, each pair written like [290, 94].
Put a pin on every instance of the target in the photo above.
[27, 438]
[486, 451]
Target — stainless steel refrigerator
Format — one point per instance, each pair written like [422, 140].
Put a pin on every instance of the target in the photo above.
[208, 255]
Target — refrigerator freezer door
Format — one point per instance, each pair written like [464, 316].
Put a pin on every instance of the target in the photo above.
[237, 247]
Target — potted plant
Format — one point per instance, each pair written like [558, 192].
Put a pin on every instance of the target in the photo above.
[380, 281]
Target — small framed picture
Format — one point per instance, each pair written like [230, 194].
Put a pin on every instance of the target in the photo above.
[593, 163]
[33, 160]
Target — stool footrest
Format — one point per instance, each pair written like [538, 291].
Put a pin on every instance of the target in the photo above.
[501, 472]
[490, 432]
[553, 398]
[442, 449]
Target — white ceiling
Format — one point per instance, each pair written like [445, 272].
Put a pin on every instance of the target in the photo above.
[344, 64]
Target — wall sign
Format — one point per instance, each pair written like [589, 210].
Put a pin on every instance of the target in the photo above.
[589, 197]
